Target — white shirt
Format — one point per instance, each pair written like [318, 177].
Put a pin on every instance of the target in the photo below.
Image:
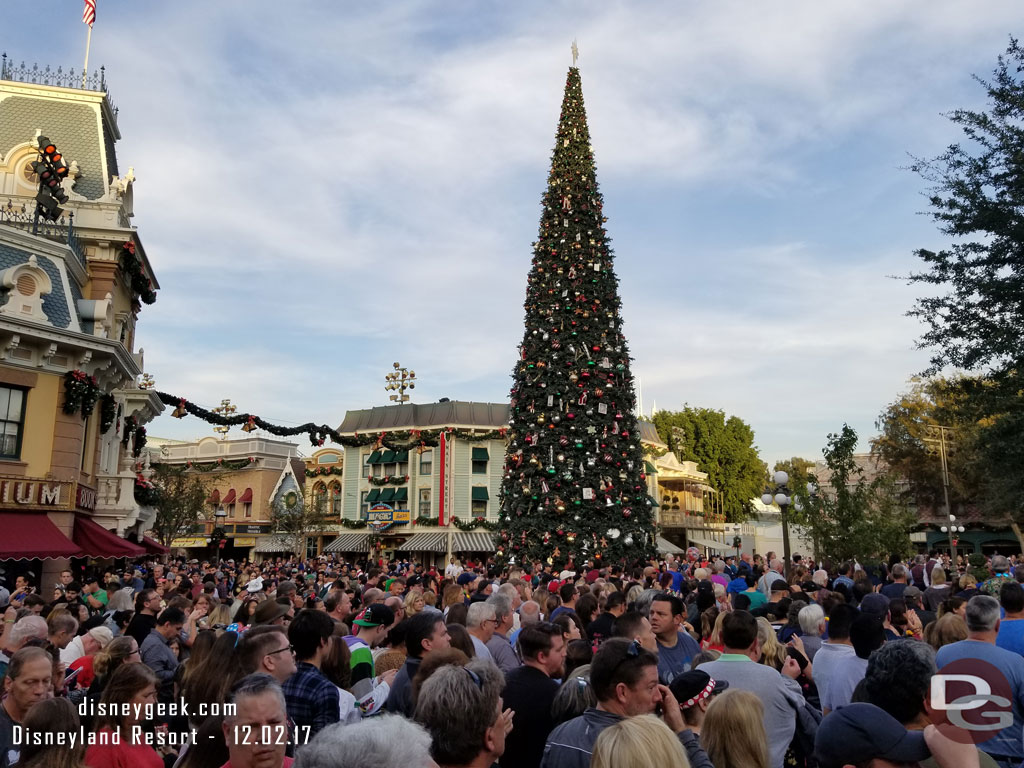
[73, 651]
[825, 662]
[482, 651]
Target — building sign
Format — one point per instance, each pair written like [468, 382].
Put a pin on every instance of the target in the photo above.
[186, 542]
[244, 541]
[26, 493]
[252, 530]
[85, 497]
[380, 513]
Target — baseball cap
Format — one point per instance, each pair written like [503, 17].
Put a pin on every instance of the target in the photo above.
[465, 578]
[567, 575]
[102, 635]
[911, 593]
[737, 585]
[695, 685]
[375, 615]
[875, 602]
[858, 733]
[268, 611]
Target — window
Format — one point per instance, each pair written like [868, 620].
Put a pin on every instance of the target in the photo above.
[11, 421]
[231, 510]
[479, 467]
[247, 508]
[328, 458]
[364, 505]
[403, 469]
[335, 500]
[479, 508]
[367, 466]
[378, 470]
[480, 459]
[426, 462]
[320, 496]
[479, 497]
[390, 470]
[424, 508]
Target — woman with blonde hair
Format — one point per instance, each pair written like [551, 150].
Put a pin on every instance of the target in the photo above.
[733, 732]
[414, 603]
[48, 717]
[773, 653]
[452, 595]
[948, 628]
[639, 742]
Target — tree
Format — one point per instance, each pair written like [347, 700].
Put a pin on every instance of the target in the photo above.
[180, 499]
[851, 516]
[722, 447]
[977, 198]
[296, 520]
[573, 486]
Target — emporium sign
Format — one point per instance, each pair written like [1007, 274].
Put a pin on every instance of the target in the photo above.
[30, 493]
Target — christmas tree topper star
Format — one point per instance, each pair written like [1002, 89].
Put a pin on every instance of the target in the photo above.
[575, 52]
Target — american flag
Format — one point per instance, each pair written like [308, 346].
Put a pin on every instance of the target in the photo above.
[89, 12]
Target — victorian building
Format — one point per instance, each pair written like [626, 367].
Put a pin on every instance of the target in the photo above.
[72, 413]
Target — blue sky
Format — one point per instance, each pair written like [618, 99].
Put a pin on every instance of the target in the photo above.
[325, 188]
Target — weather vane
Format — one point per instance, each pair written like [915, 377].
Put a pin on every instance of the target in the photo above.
[575, 52]
[147, 382]
[224, 409]
[400, 380]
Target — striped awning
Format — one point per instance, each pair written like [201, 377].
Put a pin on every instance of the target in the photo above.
[473, 542]
[274, 544]
[349, 542]
[666, 547]
[714, 546]
[426, 542]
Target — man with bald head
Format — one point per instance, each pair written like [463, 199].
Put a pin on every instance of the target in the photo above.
[775, 573]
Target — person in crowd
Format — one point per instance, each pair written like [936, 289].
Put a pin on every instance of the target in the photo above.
[28, 681]
[600, 629]
[156, 653]
[1011, 628]
[938, 591]
[529, 692]
[912, 597]
[370, 628]
[338, 604]
[147, 606]
[632, 625]
[472, 735]
[898, 680]
[61, 628]
[895, 589]
[638, 742]
[950, 628]
[427, 632]
[255, 725]
[413, 604]
[266, 650]
[694, 691]
[278, 612]
[625, 680]
[812, 624]
[574, 696]
[1004, 746]
[460, 638]
[481, 621]
[866, 635]
[312, 699]
[120, 650]
[93, 641]
[337, 667]
[837, 647]
[386, 741]
[498, 645]
[775, 572]
[1000, 575]
[132, 688]
[529, 613]
[51, 717]
[25, 629]
[778, 693]
[577, 654]
[568, 595]
[676, 648]
[861, 734]
[733, 733]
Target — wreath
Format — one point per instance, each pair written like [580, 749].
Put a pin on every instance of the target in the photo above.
[80, 393]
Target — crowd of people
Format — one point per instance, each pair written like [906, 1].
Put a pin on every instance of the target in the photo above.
[742, 662]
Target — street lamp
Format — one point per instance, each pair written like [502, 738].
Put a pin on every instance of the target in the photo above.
[783, 499]
[220, 514]
[935, 443]
[736, 541]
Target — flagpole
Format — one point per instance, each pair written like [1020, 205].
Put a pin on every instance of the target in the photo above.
[85, 67]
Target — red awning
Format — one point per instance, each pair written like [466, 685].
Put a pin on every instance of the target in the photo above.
[246, 498]
[215, 497]
[230, 498]
[153, 547]
[96, 541]
[30, 535]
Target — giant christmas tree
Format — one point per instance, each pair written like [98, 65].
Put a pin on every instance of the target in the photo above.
[574, 484]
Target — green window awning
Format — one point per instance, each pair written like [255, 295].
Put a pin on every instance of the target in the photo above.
[387, 496]
[402, 494]
[480, 493]
[653, 502]
[401, 456]
[480, 454]
[373, 458]
[388, 457]
[649, 468]
[373, 495]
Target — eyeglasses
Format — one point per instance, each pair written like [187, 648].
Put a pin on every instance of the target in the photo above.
[475, 678]
[631, 653]
[282, 650]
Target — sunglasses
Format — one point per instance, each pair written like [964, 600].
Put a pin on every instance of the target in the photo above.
[290, 648]
[631, 653]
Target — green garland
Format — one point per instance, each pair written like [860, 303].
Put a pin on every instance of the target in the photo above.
[477, 522]
[323, 471]
[220, 465]
[389, 480]
[108, 413]
[401, 440]
[80, 393]
[139, 441]
[130, 425]
[131, 265]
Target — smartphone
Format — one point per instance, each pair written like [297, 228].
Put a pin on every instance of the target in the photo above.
[69, 678]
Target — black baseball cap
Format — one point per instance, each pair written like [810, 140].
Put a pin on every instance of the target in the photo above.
[858, 733]
[690, 687]
[375, 615]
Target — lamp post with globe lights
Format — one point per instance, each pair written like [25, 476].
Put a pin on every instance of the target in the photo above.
[952, 529]
[783, 499]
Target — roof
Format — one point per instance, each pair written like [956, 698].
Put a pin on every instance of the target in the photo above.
[55, 304]
[74, 128]
[649, 434]
[454, 413]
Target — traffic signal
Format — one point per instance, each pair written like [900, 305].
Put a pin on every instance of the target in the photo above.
[51, 170]
[47, 205]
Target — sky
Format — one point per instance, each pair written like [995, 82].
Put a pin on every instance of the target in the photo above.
[325, 188]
